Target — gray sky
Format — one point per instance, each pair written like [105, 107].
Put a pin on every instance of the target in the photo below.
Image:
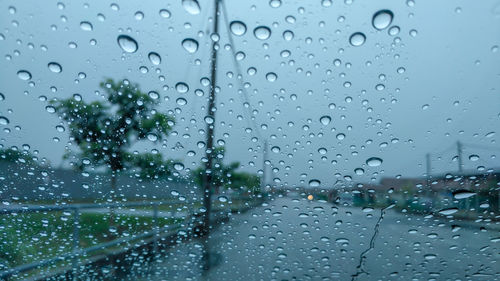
[449, 90]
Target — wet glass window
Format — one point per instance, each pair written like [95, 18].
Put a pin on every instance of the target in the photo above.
[250, 140]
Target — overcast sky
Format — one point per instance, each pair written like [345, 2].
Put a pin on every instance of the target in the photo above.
[446, 89]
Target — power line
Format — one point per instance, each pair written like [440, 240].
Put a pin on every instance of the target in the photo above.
[239, 72]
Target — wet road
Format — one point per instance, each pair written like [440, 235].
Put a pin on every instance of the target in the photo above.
[292, 239]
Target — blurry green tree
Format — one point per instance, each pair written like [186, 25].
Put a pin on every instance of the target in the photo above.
[104, 131]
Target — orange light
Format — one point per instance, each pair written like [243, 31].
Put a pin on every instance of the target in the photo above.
[310, 197]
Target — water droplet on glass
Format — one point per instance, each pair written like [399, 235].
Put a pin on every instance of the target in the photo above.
[223, 199]
[314, 183]
[359, 171]
[463, 194]
[50, 109]
[154, 58]
[473, 157]
[238, 28]
[374, 162]
[190, 45]
[154, 95]
[152, 137]
[288, 35]
[55, 67]
[275, 3]
[86, 26]
[181, 87]
[139, 15]
[179, 166]
[382, 19]
[24, 75]
[4, 121]
[164, 13]
[262, 32]
[448, 211]
[209, 120]
[430, 256]
[325, 120]
[393, 31]
[191, 6]
[357, 39]
[275, 149]
[127, 43]
[271, 77]
[181, 101]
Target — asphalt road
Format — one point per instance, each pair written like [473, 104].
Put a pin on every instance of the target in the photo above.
[295, 239]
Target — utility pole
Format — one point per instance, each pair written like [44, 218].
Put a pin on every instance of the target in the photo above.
[263, 183]
[459, 152]
[428, 169]
[210, 120]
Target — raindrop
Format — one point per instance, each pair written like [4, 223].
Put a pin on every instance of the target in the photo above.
[275, 3]
[50, 109]
[262, 32]
[209, 120]
[154, 58]
[448, 211]
[484, 205]
[154, 95]
[367, 209]
[165, 13]
[152, 137]
[223, 199]
[191, 6]
[181, 87]
[374, 162]
[430, 256]
[288, 35]
[340, 136]
[359, 171]
[393, 31]
[55, 67]
[4, 121]
[275, 149]
[271, 77]
[60, 128]
[325, 120]
[179, 166]
[473, 157]
[181, 101]
[382, 19]
[357, 39]
[86, 26]
[463, 194]
[314, 183]
[127, 43]
[190, 45]
[238, 28]
[24, 75]
[139, 15]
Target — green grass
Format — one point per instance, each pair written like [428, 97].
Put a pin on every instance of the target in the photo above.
[33, 237]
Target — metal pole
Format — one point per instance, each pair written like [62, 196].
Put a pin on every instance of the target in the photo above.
[76, 236]
[428, 169]
[210, 120]
[264, 167]
[156, 229]
[459, 152]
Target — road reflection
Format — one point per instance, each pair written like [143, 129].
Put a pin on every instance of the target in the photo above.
[294, 239]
